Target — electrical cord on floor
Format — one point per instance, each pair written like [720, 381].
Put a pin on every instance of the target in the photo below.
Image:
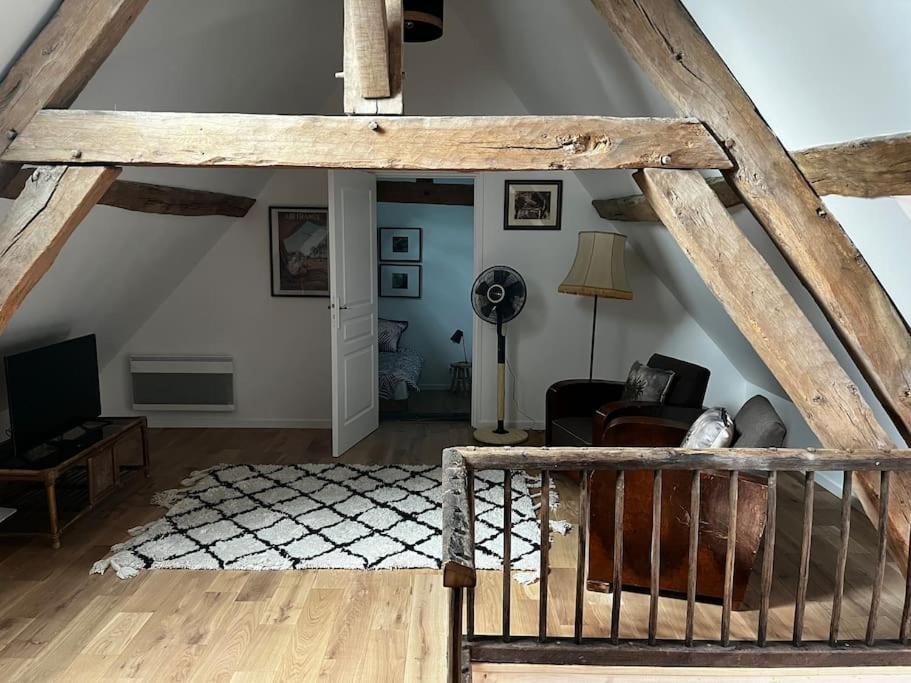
[515, 393]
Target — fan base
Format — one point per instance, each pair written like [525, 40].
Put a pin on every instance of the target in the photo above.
[512, 437]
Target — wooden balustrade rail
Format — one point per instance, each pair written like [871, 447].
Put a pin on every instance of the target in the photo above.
[460, 464]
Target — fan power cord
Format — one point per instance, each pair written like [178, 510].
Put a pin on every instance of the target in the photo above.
[515, 393]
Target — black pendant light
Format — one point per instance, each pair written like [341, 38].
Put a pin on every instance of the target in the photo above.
[423, 20]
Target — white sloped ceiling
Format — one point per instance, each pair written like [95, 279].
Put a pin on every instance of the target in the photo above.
[205, 55]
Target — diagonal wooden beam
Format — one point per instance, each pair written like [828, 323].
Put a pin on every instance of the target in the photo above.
[157, 199]
[448, 143]
[59, 63]
[54, 202]
[374, 57]
[870, 167]
[666, 42]
[767, 315]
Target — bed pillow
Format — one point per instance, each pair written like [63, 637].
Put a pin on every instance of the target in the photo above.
[647, 384]
[389, 334]
[713, 429]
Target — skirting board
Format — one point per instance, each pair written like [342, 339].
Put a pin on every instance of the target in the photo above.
[195, 420]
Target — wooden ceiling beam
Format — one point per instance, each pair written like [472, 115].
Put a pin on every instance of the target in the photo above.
[59, 63]
[445, 143]
[666, 42]
[870, 167]
[53, 203]
[425, 192]
[767, 315]
[374, 57]
[157, 199]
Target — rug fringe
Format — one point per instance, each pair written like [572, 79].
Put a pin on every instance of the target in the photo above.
[171, 497]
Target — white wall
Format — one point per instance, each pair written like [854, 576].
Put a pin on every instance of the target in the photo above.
[280, 345]
[447, 266]
[550, 340]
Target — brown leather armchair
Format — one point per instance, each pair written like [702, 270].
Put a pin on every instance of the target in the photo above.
[756, 425]
[577, 412]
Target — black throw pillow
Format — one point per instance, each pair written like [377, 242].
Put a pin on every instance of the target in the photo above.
[647, 384]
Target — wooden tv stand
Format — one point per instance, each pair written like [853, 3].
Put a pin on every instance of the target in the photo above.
[76, 476]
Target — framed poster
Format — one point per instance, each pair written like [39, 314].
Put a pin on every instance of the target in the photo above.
[401, 244]
[299, 246]
[533, 205]
[400, 280]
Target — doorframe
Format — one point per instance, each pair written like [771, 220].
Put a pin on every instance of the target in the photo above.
[477, 353]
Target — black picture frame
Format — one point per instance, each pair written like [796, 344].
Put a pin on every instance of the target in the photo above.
[279, 278]
[554, 219]
[391, 256]
[412, 268]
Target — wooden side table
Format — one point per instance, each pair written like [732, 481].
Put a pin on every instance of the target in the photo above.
[461, 377]
[75, 479]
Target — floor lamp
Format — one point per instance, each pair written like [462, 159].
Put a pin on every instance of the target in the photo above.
[599, 271]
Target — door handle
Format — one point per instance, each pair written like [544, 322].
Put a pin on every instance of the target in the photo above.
[343, 308]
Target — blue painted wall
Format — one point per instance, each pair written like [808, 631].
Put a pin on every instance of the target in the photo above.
[448, 267]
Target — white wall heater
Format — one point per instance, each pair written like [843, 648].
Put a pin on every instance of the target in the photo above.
[182, 383]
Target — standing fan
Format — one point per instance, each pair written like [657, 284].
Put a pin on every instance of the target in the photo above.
[498, 296]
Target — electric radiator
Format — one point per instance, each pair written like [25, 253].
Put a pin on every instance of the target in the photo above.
[182, 383]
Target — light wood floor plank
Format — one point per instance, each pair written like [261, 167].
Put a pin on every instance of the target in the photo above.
[59, 623]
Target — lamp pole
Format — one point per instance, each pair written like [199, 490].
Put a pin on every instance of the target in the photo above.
[591, 359]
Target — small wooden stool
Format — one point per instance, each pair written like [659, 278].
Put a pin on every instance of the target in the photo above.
[461, 377]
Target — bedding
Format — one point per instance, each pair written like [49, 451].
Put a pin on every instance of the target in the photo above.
[399, 373]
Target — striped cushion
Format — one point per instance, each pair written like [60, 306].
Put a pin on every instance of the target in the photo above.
[390, 334]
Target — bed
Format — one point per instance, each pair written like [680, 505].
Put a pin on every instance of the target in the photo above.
[399, 373]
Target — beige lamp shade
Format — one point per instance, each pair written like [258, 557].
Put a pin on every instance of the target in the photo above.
[600, 267]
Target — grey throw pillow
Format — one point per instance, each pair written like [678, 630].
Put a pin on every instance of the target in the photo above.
[647, 384]
[713, 429]
[389, 334]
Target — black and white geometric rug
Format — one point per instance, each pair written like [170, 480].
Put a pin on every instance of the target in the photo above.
[339, 516]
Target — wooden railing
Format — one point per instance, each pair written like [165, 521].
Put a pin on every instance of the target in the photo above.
[460, 465]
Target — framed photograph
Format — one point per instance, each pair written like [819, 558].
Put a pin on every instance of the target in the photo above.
[401, 281]
[299, 246]
[533, 205]
[401, 244]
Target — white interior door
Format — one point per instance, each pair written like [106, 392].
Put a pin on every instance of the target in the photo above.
[353, 282]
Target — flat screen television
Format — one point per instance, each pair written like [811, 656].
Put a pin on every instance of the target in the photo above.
[52, 390]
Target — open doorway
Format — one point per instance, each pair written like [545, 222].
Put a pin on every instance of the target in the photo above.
[426, 264]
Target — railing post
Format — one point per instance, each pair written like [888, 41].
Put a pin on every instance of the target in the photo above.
[693, 557]
[545, 557]
[733, 489]
[454, 664]
[617, 583]
[655, 560]
[809, 494]
[879, 573]
[842, 561]
[582, 555]
[768, 559]
[458, 550]
[507, 551]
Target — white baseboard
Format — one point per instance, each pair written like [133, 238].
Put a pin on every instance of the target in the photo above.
[831, 482]
[229, 422]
